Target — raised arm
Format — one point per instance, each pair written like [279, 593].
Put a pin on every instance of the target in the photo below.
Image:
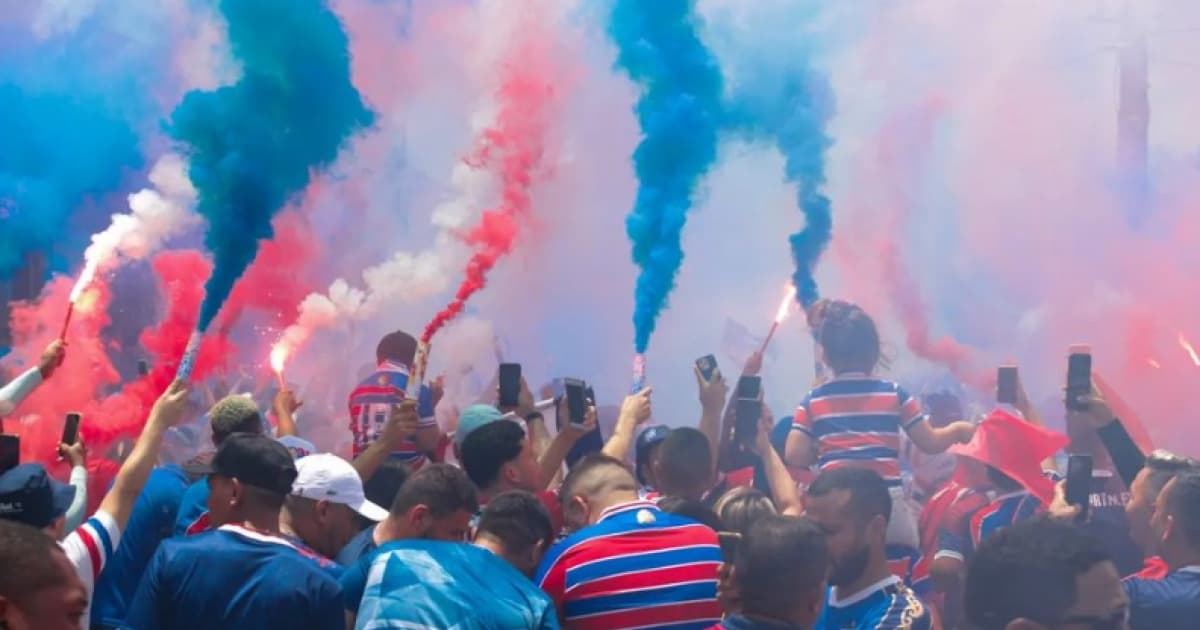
[16, 391]
[285, 406]
[712, 405]
[552, 459]
[783, 488]
[401, 424]
[635, 411]
[167, 411]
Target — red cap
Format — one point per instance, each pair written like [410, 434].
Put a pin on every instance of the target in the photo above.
[1015, 448]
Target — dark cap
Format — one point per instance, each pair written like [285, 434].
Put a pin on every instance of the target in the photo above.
[28, 495]
[649, 438]
[255, 460]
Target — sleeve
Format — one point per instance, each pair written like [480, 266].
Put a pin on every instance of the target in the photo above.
[1127, 458]
[911, 413]
[354, 584]
[143, 608]
[16, 390]
[952, 544]
[327, 607]
[78, 510]
[91, 545]
[801, 420]
[552, 575]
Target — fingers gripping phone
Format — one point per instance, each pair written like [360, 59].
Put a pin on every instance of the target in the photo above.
[510, 384]
[576, 392]
[1006, 385]
[1079, 484]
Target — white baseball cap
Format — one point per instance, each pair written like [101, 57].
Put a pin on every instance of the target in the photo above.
[327, 477]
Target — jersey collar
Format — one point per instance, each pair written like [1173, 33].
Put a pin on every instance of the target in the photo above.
[621, 508]
[836, 602]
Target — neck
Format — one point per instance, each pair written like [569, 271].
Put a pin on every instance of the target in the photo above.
[877, 569]
[262, 520]
[285, 523]
[1181, 558]
[388, 530]
[613, 498]
[772, 619]
[485, 541]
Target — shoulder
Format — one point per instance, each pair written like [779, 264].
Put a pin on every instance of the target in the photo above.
[903, 610]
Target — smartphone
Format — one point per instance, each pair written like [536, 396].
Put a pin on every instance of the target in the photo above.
[10, 452]
[707, 365]
[510, 384]
[1079, 377]
[70, 433]
[729, 542]
[576, 393]
[749, 387]
[1079, 483]
[747, 413]
[143, 367]
[590, 395]
[1006, 384]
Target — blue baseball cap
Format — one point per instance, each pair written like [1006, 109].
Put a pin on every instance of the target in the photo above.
[646, 441]
[28, 495]
[472, 418]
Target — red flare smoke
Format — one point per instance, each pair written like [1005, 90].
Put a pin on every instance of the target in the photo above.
[277, 280]
[514, 145]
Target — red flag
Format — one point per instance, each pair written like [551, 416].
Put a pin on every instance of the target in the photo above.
[1015, 448]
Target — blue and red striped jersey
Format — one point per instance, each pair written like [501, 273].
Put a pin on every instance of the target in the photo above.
[637, 567]
[1002, 511]
[855, 420]
[371, 403]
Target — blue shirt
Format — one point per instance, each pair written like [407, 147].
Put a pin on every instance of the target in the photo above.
[886, 605]
[149, 524]
[359, 547]
[435, 584]
[739, 622]
[234, 578]
[1172, 602]
[193, 509]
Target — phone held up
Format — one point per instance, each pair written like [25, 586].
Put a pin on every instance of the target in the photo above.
[576, 392]
[10, 452]
[747, 409]
[1006, 384]
[70, 433]
[1079, 377]
[707, 365]
[510, 385]
[1079, 484]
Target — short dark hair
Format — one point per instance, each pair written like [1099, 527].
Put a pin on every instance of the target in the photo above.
[848, 338]
[234, 414]
[686, 459]
[689, 508]
[743, 506]
[397, 346]
[1183, 503]
[443, 488]
[381, 487]
[592, 475]
[1163, 466]
[1028, 571]
[488, 448]
[869, 496]
[27, 555]
[519, 520]
[778, 558]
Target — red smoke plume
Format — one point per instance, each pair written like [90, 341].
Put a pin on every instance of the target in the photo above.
[514, 146]
[277, 280]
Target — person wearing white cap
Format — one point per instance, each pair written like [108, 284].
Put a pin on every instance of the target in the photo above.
[325, 497]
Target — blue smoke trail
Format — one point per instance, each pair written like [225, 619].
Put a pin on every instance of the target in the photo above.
[680, 112]
[253, 145]
[779, 97]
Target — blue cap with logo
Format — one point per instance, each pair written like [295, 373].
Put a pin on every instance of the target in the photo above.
[28, 495]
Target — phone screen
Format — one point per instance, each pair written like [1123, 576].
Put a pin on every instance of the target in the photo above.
[729, 542]
[1006, 385]
[71, 428]
[746, 416]
[10, 452]
[1079, 380]
[510, 384]
[707, 365]
[576, 400]
[1079, 483]
[749, 387]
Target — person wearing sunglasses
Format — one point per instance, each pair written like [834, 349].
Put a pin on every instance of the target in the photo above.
[1044, 574]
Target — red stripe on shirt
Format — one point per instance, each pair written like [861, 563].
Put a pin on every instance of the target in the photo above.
[851, 440]
[886, 402]
[89, 541]
[889, 469]
[651, 616]
[653, 577]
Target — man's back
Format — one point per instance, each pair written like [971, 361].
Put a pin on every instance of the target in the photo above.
[234, 577]
[1172, 602]
[433, 584]
[192, 517]
[150, 523]
[636, 567]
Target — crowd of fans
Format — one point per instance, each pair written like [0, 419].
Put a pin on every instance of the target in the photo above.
[826, 519]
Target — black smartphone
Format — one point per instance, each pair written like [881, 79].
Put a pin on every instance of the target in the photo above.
[747, 414]
[729, 542]
[10, 452]
[576, 392]
[510, 384]
[143, 367]
[71, 428]
[1079, 377]
[1006, 384]
[1079, 483]
[707, 365]
[749, 387]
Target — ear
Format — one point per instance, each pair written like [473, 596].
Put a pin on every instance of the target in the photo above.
[509, 472]
[878, 527]
[236, 491]
[420, 518]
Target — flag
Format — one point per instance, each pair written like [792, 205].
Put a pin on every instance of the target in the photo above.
[1015, 448]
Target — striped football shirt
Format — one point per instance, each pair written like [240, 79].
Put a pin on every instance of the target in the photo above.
[371, 403]
[637, 567]
[1002, 511]
[855, 420]
[88, 548]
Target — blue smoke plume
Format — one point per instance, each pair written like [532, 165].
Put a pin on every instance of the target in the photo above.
[679, 112]
[778, 97]
[252, 145]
